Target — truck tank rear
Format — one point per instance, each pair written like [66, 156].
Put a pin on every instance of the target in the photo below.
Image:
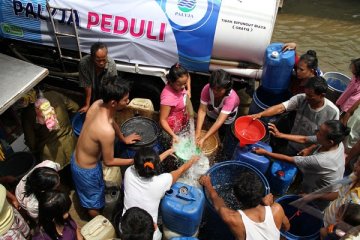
[150, 33]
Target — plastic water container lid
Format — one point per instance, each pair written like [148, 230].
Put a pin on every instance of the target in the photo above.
[275, 54]
[280, 173]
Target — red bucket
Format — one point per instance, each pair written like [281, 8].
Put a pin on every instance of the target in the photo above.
[249, 131]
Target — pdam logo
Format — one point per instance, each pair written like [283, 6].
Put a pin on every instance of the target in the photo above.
[186, 12]
[186, 6]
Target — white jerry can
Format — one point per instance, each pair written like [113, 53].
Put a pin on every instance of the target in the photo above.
[112, 176]
[99, 228]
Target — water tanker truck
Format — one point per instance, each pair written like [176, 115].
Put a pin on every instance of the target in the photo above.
[144, 37]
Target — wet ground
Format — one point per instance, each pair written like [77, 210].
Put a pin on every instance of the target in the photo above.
[330, 27]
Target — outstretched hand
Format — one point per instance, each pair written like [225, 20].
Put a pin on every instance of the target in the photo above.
[268, 200]
[194, 159]
[255, 116]
[15, 203]
[205, 180]
[84, 109]
[273, 130]
[305, 152]
[132, 138]
[259, 151]
[345, 118]
[175, 139]
[288, 46]
[200, 142]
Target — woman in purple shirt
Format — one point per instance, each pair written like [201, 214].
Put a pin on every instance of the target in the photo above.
[55, 221]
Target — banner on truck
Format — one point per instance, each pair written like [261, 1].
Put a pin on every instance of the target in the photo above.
[149, 32]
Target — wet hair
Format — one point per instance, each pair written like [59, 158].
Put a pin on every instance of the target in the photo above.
[248, 190]
[337, 132]
[318, 84]
[176, 71]
[95, 47]
[351, 214]
[221, 79]
[113, 88]
[310, 60]
[137, 224]
[144, 156]
[52, 207]
[40, 180]
[356, 64]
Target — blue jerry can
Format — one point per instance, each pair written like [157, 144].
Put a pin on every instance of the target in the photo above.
[277, 69]
[282, 174]
[245, 154]
[182, 208]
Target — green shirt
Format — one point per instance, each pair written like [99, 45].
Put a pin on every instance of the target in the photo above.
[89, 78]
[57, 145]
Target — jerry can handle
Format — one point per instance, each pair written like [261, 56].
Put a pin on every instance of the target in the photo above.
[93, 230]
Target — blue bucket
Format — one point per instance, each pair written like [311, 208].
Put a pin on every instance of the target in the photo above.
[304, 226]
[222, 174]
[262, 99]
[77, 123]
[337, 83]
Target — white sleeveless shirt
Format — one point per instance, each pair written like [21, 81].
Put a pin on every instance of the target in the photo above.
[265, 230]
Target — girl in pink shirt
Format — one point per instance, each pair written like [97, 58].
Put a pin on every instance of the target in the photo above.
[352, 93]
[219, 102]
[173, 115]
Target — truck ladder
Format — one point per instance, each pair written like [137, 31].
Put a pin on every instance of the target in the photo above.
[59, 34]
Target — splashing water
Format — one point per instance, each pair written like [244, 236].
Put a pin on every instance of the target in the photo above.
[191, 176]
[185, 149]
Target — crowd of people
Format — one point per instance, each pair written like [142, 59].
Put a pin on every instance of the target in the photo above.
[324, 144]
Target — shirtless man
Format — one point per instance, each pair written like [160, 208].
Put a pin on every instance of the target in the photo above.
[96, 141]
[254, 221]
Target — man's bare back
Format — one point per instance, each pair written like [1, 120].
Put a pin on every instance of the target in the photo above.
[97, 131]
[96, 141]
